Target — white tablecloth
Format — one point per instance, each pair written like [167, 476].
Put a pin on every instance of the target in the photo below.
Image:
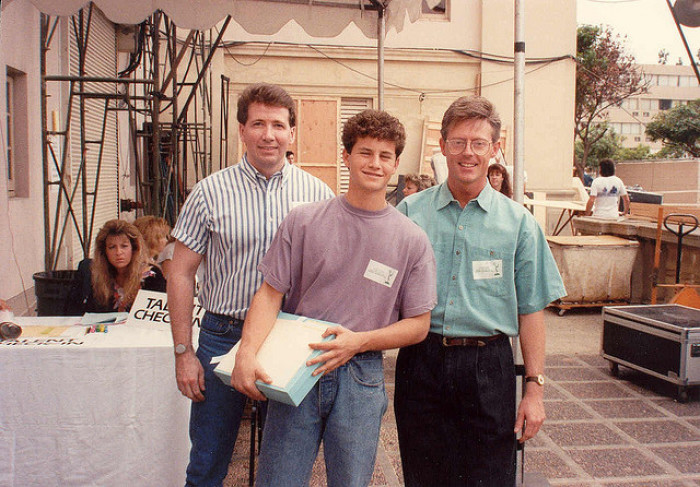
[105, 412]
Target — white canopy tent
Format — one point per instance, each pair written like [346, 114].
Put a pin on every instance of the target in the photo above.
[319, 18]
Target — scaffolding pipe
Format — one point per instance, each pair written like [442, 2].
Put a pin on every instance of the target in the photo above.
[203, 69]
[156, 208]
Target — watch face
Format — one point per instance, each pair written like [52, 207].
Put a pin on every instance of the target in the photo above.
[180, 348]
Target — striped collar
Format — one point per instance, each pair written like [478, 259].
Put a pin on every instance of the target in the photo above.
[254, 175]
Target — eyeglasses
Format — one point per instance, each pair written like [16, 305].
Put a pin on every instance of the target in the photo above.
[480, 147]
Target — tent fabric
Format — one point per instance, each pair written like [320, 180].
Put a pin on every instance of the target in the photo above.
[262, 17]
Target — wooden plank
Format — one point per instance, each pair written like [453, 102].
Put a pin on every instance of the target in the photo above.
[649, 211]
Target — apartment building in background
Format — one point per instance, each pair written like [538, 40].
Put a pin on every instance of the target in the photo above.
[668, 87]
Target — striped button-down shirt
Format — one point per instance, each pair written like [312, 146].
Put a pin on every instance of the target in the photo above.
[231, 217]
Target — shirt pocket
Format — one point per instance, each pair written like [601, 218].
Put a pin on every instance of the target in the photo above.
[488, 271]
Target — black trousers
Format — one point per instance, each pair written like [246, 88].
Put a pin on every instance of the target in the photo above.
[455, 414]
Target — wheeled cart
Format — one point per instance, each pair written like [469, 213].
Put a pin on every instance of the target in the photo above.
[659, 340]
[596, 270]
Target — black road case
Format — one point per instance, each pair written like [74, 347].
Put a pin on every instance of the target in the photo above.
[659, 340]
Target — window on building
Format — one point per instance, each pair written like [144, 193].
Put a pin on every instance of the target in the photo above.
[645, 114]
[637, 139]
[645, 103]
[438, 11]
[665, 104]
[16, 133]
[687, 81]
[635, 114]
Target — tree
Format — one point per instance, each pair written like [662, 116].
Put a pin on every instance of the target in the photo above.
[663, 56]
[678, 128]
[605, 76]
[637, 153]
[606, 146]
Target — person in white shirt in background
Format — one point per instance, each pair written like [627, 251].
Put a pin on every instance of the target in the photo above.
[606, 191]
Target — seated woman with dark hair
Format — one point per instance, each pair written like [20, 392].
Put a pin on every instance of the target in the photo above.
[111, 280]
[499, 179]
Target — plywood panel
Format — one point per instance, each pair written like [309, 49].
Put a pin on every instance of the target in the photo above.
[327, 174]
[318, 132]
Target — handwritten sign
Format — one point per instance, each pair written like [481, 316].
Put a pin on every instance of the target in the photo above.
[150, 310]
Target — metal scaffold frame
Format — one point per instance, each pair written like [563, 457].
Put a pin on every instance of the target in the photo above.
[166, 92]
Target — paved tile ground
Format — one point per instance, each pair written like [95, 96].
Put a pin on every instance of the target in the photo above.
[600, 430]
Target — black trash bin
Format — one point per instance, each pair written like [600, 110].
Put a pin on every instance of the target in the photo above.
[52, 289]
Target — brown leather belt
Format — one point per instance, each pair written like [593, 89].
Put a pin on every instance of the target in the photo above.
[468, 341]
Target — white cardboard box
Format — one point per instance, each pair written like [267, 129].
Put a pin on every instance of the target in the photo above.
[283, 355]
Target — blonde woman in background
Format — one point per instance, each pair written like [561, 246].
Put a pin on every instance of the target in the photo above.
[111, 280]
[155, 232]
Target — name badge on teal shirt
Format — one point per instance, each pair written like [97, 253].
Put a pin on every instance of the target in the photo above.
[487, 269]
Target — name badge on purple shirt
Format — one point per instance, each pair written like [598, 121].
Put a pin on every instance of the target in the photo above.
[380, 273]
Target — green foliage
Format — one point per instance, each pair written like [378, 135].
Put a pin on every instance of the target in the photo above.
[606, 146]
[605, 76]
[638, 153]
[609, 146]
[678, 129]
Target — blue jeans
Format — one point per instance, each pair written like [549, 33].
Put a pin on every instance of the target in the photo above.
[455, 413]
[214, 422]
[344, 410]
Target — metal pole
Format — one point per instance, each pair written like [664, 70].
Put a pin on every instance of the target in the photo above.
[381, 34]
[685, 42]
[518, 105]
[48, 258]
[155, 119]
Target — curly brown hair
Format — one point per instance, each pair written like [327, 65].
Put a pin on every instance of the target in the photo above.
[265, 94]
[422, 181]
[375, 124]
[104, 274]
[471, 108]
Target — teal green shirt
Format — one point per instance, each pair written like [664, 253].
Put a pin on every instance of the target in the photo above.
[493, 261]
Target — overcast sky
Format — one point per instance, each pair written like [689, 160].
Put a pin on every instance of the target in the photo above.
[648, 25]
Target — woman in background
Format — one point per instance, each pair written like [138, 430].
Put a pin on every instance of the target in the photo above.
[111, 280]
[413, 183]
[500, 180]
[155, 232]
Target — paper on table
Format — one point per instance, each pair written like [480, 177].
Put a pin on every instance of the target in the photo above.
[111, 318]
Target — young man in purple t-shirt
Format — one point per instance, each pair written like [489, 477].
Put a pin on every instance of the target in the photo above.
[352, 260]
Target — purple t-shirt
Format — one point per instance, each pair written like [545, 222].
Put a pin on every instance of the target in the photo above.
[362, 269]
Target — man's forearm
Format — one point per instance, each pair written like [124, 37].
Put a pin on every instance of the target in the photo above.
[532, 342]
[260, 319]
[589, 205]
[180, 306]
[400, 334]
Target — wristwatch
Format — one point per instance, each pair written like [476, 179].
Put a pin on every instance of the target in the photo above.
[180, 348]
[539, 379]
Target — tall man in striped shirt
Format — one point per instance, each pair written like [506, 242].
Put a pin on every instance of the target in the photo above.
[231, 217]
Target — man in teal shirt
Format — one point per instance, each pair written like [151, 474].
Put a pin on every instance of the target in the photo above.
[455, 391]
